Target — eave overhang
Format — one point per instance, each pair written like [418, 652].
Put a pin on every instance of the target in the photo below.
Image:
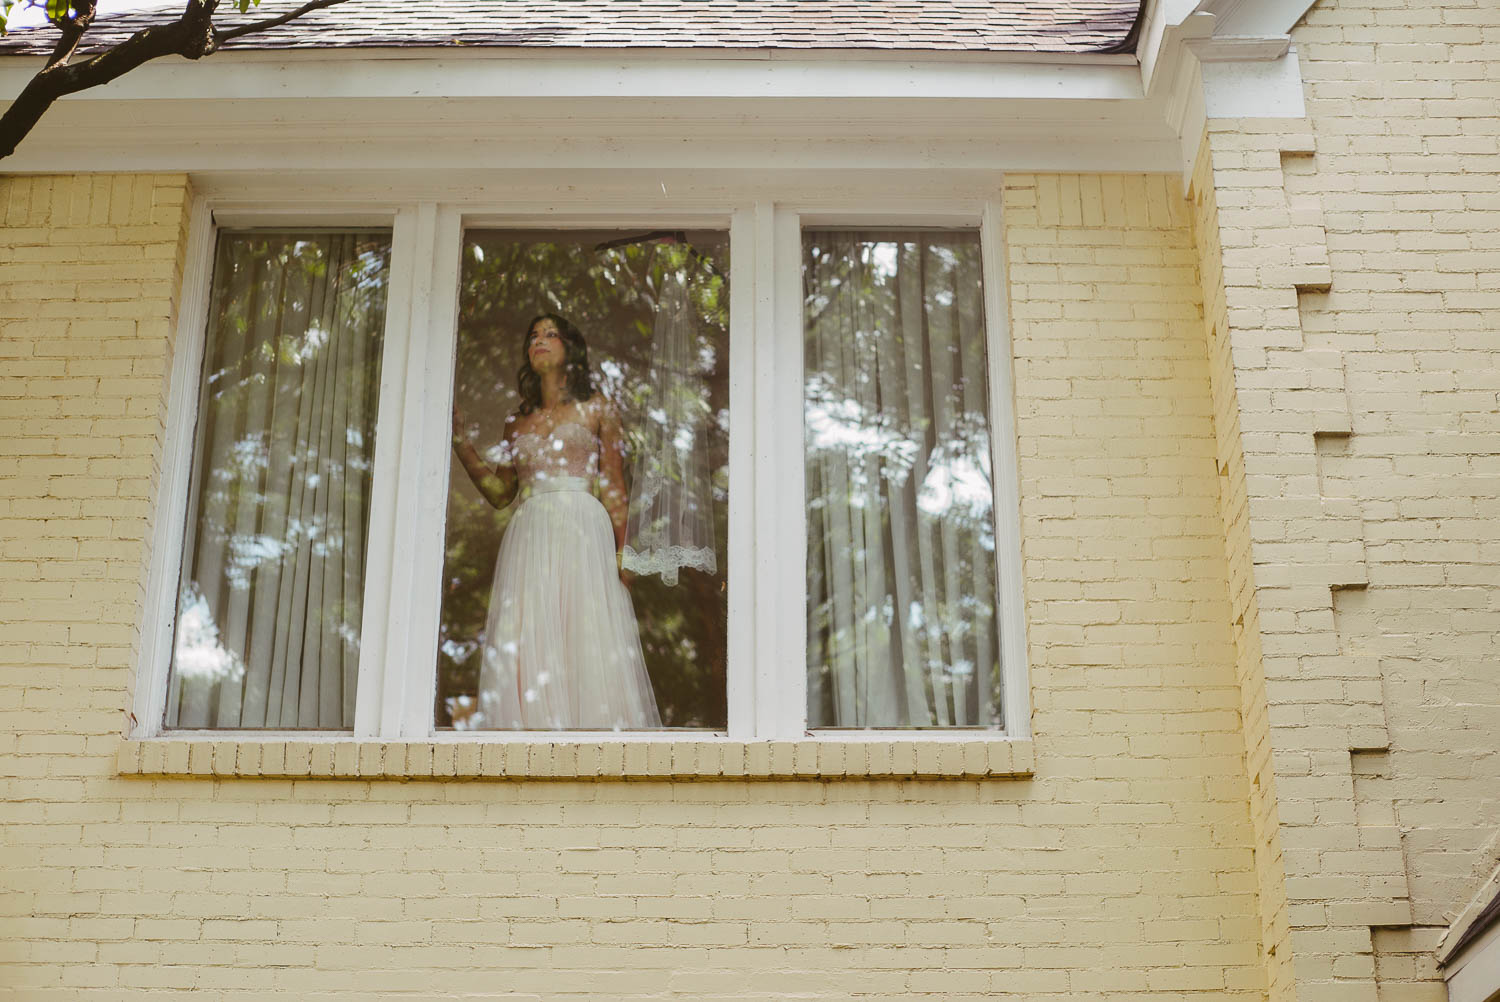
[351, 110]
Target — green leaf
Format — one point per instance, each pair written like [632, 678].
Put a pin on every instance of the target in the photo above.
[58, 9]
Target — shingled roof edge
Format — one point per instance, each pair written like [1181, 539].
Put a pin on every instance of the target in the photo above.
[1132, 39]
[375, 52]
[1066, 27]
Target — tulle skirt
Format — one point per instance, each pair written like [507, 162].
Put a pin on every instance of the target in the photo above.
[561, 645]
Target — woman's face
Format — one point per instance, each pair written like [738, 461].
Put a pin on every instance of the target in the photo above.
[544, 346]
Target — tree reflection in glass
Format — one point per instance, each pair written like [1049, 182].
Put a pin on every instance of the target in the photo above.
[611, 295]
[902, 625]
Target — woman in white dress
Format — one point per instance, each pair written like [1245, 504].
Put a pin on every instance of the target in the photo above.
[561, 647]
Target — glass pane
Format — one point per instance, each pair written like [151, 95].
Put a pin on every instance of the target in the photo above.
[268, 614]
[902, 626]
[591, 427]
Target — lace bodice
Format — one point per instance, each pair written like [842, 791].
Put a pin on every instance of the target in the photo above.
[568, 450]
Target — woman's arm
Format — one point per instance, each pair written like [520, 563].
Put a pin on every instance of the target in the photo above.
[496, 484]
[612, 470]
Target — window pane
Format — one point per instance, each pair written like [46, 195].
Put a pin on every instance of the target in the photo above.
[902, 627]
[592, 396]
[268, 615]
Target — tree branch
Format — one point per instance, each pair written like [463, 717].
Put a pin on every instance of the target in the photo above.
[272, 22]
[72, 30]
[191, 36]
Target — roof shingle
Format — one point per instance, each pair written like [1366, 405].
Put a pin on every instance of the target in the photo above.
[1063, 26]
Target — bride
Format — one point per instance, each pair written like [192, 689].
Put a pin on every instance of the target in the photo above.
[561, 647]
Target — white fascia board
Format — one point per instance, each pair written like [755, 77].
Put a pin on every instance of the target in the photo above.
[350, 112]
[346, 77]
[135, 141]
[1166, 23]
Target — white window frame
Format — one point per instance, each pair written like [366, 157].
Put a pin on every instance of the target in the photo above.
[766, 674]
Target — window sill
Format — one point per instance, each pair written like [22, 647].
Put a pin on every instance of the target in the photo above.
[820, 759]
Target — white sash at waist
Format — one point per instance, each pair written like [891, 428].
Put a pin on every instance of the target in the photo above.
[547, 485]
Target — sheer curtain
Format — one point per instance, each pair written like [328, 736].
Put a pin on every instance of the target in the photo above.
[671, 522]
[902, 626]
[267, 632]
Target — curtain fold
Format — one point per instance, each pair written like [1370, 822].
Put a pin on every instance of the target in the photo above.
[901, 562]
[267, 632]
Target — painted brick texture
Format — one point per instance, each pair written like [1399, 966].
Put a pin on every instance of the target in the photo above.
[1361, 265]
[1122, 869]
[1230, 460]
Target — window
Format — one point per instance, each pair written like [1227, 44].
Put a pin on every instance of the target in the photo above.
[272, 576]
[535, 632]
[748, 475]
[902, 626]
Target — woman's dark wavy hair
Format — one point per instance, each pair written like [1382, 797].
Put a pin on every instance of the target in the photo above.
[576, 364]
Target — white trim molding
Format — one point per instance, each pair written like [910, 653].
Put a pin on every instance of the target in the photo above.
[1220, 59]
[1257, 17]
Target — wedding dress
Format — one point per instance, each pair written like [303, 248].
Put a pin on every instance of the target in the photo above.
[561, 645]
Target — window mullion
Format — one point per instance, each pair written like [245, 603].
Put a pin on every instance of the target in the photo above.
[780, 537]
[765, 482]
[435, 332]
[743, 630]
[399, 626]
[791, 499]
[377, 625]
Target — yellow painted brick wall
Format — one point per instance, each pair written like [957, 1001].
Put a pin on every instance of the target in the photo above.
[1233, 504]
[1361, 253]
[1404, 104]
[89, 272]
[1122, 870]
